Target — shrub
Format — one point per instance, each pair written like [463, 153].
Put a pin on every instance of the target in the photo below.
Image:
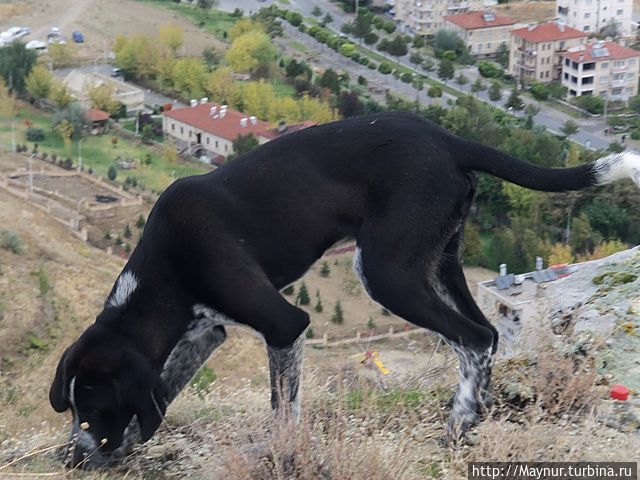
[489, 69]
[288, 290]
[325, 270]
[540, 91]
[112, 173]
[319, 307]
[406, 77]
[635, 134]
[590, 103]
[309, 333]
[371, 38]
[385, 67]
[10, 241]
[389, 27]
[140, 222]
[35, 134]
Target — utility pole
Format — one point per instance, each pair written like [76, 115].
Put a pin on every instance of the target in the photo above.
[80, 154]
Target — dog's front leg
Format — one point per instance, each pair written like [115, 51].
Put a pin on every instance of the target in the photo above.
[285, 368]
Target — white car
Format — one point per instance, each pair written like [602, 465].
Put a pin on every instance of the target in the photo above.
[36, 45]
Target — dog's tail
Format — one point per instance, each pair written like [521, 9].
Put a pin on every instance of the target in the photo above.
[604, 170]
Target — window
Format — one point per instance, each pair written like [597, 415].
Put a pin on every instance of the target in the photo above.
[563, 10]
[604, 65]
[632, 61]
[586, 28]
[619, 12]
[181, 130]
[547, 74]
[217, 144]
[587, 81]
[574, 65]
[574, 79]
[567, 62]
[173, 126]
[630, 76]
[604, 78]
[566, 76]
[541, 74]
[629, 89]
[587, 15]
[618, 76]
[618, 63]
[603, 93]
[226, 147]
[208, 140]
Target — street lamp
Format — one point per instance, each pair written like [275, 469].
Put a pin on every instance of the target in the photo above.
[80, 154]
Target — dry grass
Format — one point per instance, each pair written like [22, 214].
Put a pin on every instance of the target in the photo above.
[355, 430]
[528, 11]
[9, 10]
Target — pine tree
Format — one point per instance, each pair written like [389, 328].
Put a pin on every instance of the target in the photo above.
[288, 290]
[371, 324]
[319, 308]
[338, 314]
[310, 333]
[325, 270]
[303, 295]
[514, 101]
[127, 231]
[141, 222]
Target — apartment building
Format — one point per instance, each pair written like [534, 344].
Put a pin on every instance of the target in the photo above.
[424, 17]
[482, 31]
[601, 68]
[536, 49]
[593, 16]
[209, 129]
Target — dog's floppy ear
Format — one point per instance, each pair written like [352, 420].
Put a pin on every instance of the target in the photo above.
[59, 393]
[150, 402]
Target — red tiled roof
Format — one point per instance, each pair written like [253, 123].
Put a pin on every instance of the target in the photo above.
[547, 32]
[228, 127]
[474, 20]
[616, 52]
[95, 115]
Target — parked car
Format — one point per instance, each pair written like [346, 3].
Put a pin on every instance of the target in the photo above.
[78, 37]
[36, 45]
[116, 72]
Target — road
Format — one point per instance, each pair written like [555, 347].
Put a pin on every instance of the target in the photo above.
[591, 133]
[150, 97]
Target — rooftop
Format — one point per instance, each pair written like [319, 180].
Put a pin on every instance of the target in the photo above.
[479, 19]
[95, 115]
[598, 51]
[206, 117]
[547, 32]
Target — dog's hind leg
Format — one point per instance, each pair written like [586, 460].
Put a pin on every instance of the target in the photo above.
[400, 284]
[285, 368]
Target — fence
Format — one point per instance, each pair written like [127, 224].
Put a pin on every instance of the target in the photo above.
[359, 338]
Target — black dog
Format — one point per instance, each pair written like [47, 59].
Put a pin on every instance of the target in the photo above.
[219, 247]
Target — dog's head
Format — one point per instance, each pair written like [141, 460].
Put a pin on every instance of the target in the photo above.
[104, 380]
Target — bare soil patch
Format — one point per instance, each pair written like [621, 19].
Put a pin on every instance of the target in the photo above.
[528, 11]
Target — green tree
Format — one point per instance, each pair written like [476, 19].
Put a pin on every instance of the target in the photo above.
[338, 314]
[634, 104]
[472, 246]
[289, 290]
[434, 92]
[584, 238]
[495, 92]
[330, 79]
[446, 69]
[244, 143]
[447, 40]
[318, 306]
[325, 270]
[462, 80]
[317, 11]
[418, 41]
[327, 19]
[478, 85]
[16, 63]
[205, 6]
[303, 295]
[502, 55]
[39, 82]
[540, 91]
[570, 128]
[489, 69]
[371, 325]
[514, 101]
[127, 231]
[112, 173]
[141, 222]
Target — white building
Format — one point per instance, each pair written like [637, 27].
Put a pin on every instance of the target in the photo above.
[601, 68]
[424, 17]
[593, 16]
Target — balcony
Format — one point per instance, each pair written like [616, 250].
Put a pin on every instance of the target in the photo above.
[619, 69]
[458, 5]
[425, 7]
[617, 83]
[420, 20]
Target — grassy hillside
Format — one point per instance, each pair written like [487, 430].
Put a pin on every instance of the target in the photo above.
[550, 405]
